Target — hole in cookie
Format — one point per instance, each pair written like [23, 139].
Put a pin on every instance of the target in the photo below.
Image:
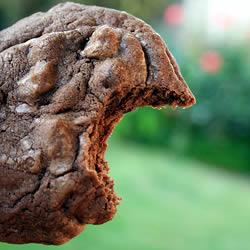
[3, 97]
[107, 83]
[43, 101]
[83, 44]
[78, 56]
[81, 48]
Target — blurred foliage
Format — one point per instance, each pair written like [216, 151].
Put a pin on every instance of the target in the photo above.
[222, 97]
[217, 128]
[12, 10]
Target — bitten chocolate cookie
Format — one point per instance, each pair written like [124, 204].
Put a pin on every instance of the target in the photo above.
[66, 78]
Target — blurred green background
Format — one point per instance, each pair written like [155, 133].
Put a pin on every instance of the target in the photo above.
[183, 174]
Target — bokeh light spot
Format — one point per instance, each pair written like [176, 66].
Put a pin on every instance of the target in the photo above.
[211, 61]
[174, 15]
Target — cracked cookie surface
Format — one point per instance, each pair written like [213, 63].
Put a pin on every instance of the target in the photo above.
[67, 77]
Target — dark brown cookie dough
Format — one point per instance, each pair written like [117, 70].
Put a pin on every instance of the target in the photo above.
[66, 78]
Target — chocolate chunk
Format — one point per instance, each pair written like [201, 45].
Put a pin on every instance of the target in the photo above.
[67, 77]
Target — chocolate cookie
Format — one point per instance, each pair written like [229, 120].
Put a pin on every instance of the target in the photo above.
[66, 78]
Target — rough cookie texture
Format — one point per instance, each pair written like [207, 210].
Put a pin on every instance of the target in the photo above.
[66, 78]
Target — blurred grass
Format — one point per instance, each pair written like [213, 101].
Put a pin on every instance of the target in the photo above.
[170, 129]
[169, 202]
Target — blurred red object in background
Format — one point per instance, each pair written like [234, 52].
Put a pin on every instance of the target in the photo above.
[174, 15]
[211, 61]
[224, 21]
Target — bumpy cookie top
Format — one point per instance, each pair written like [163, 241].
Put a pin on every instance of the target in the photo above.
[70, 16]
